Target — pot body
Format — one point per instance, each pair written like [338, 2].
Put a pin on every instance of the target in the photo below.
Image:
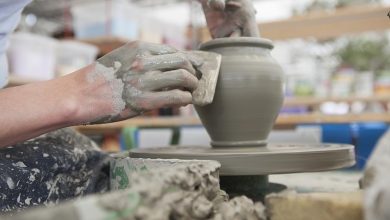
[248, 96]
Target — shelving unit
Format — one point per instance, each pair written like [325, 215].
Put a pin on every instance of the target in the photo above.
[319, 25]
[315, 101]
[324, 25]
[281, 122]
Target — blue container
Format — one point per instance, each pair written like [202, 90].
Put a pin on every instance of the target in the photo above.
[367, 136]
[337, 133]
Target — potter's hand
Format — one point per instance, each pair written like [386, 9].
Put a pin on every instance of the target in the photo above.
[228, 18]
[145, 76]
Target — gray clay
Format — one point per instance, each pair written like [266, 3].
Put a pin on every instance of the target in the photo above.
[249, 93]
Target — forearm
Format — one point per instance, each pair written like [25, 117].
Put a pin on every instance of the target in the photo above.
[135, 78]
[31, 110]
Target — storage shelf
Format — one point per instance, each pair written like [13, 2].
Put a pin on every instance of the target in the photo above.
[312, 101]
[282, 121]
[324, 25]
[321, 25]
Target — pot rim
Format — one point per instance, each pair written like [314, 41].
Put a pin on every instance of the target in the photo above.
[237, 41]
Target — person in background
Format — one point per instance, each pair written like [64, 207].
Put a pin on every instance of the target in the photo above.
[133, 79]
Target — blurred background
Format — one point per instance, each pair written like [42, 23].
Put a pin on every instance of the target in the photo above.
[335, 54]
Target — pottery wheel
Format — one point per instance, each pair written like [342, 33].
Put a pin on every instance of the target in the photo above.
[271, 159]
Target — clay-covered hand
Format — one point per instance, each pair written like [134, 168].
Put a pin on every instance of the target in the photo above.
[145, 76]
[228, 18]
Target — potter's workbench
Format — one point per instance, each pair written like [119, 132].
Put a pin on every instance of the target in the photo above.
[331, 195]
[332, 181]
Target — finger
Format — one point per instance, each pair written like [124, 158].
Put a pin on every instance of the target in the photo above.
[250, 29]
[154, 100]
[236, 33]
[233, 4]
[171, 79]
[164, 62]
[227, 30]
[195, 59]
[217, 4]
[157, 49]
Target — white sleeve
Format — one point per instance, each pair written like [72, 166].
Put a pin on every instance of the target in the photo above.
[10, 11]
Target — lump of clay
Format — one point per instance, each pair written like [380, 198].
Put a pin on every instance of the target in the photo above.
[240, 208]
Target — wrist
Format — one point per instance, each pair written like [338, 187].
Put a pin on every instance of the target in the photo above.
[87, 100]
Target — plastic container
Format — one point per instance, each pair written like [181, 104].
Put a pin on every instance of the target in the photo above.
[73, 55]
[106, 18]
[32, 56]
[367, 136]
[337, 133]
[154, 137]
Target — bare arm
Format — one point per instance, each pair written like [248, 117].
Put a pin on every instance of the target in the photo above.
[30, 110]
[132, 79]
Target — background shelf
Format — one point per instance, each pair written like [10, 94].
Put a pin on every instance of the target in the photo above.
[324, 25]
[282, 121]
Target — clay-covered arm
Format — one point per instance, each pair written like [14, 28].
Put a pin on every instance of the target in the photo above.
[230, 18]
[126, 82]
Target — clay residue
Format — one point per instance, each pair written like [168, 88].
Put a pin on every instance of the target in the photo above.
[116, 85]
[187, 190]
[240, 208]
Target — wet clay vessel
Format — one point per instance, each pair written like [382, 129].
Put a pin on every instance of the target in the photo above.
[249, 93]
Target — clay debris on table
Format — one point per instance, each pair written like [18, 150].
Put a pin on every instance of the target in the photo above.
[186, 191]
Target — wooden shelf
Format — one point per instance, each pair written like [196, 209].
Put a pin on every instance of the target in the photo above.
[312, 101]
[141, 122]
[316, 118]
[324, 25]
[282, 121]
[321, 25]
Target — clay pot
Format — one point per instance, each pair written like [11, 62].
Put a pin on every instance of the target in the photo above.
[249, 93]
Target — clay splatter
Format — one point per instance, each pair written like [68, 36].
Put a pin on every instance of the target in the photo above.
[10, 183]
[69, 166]
[19, 164]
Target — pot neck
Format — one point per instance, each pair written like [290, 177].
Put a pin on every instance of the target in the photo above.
[237, 42]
